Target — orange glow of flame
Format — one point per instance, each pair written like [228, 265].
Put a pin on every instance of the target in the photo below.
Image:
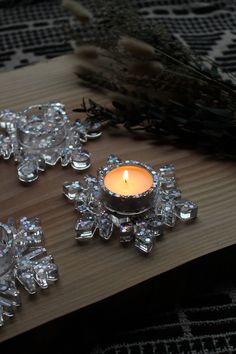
[125, 176]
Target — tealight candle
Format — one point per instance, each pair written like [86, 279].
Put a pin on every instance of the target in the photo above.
[128, 180]
[129, 187]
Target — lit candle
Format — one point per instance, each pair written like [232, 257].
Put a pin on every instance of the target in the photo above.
[128, 180]
[128, 188]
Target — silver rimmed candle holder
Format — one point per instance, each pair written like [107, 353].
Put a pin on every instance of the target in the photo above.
[41, 136]
[138, 209]
[23, 259]
[134, 204]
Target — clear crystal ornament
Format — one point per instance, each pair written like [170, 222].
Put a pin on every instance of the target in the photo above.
[41, 136]
[71, 189]
[113, 160]
[24, 259]
[80, 159]
[186, 210]
[155, 226]
[27, 170]
[142, 229]
[144, 241]
[167, 170]
[85, 227]
[126, 231]
[105, 226]
[93, 127]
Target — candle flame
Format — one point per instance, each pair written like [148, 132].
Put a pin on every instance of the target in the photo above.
[125, 176]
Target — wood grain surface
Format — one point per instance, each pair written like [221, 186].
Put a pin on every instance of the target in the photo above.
[98, 270]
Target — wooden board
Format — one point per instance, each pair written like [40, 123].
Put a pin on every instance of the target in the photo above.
[95, 271]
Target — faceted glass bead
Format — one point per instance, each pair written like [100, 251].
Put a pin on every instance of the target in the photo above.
[41, 277]
[168, 214]
[113, 160]
[6, 147]
[7, 119]
[85, 227]
[26, 278]
[27, 171]
[52, 272]
[7, 251]
[186, 210]
[173, 193]
[80, 128]
[80, 160]
[32, 232]
[155, 225]
[71, 189]
[105, 226]
[65, 157]
[126, 232]
[51, 157]
[90, 181]
[41, 163]
[93, 127]
[81, 202]
[143, 241]
[167, 182]
[167, 170]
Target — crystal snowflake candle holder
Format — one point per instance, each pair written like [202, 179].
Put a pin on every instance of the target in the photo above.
[138, 207]
[23, 259]
[41, 136]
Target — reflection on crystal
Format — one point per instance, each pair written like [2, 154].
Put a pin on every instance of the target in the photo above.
[167, 182]
[7, 251]
[81, 129]
[7, 119]
[26, 278]
[186, 210]
[27, 171]
[93, 128]
[65, 157]
[81, 203]
[118, 219]
[168, 214]
[90, 181]
[6, 147]
[105, 226]
[31, 231]
[85, 227]
[80, 160]
[126, 232]
[52, 272]
[113, 160]
[71, 189]
[51, 158]
[167, 170]
[155, 225]
[174, 193]
[41, 163]
[143, 241]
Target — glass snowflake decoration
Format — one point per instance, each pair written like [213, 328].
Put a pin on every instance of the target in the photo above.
[41, 136]
[23, 259]
[143, 229]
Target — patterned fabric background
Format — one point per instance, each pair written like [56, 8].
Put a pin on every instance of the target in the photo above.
[39, 30]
